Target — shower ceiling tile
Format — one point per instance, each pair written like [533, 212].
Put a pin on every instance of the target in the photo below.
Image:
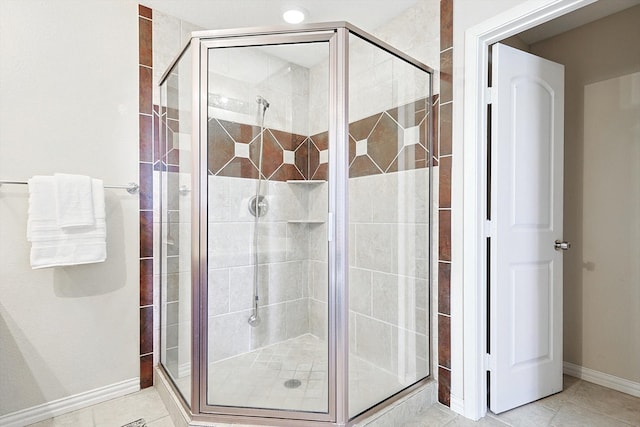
[221, 147]
[385, 141]
[272, 154]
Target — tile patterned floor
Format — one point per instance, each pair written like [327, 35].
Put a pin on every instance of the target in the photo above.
[581, 404]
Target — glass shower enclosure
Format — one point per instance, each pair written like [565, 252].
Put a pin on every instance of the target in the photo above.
[295, 227]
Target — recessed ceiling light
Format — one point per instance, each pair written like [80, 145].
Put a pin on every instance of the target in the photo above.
[293, 15]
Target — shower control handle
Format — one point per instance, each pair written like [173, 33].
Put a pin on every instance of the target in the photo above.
[559, 245]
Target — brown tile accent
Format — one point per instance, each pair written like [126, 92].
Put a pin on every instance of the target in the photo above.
[239, 167]
[146, 330]
[302, 158]
[285, 172]
[361, 129]
[314, 158]
[288, 141]
[321, 172]
[409, 115]
[240, 132]
[444, 386]
[445, 129]
[435, 111]
[446, 24]
[221, 147]
[146, 90]
[146, 371]
[173, 157]
[146, 186]
[146, 281]
[444, 288]
[445, 182]
[321, 140]
[363, 166]
[352, 149]
[444, 231]
[446, 70]
[410, 157]
[145, 11]
[146, 234]
[156, 135]
[444, 341]
[272, 156]
[144, 42]
[146, 138]
[384, 142]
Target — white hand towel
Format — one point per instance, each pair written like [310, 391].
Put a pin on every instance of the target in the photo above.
[52, 245]
[74, 200]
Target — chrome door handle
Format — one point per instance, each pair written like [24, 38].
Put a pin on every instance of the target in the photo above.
[562, 245]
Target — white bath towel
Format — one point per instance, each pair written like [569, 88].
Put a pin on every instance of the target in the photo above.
[52, 245]
[74, 200]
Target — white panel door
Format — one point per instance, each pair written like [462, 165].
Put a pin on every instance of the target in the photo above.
[525, 285]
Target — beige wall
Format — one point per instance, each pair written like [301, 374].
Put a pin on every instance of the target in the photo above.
[602, 192]
[68, 103]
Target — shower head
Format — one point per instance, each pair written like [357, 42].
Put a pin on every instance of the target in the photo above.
[260, 100]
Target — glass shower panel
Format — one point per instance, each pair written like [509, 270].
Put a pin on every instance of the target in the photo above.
[174, 164]
[267, 207]
[388, 224]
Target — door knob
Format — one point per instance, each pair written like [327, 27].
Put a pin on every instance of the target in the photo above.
[562, 245]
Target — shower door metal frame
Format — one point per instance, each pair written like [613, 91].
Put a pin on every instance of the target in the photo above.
[337, 35]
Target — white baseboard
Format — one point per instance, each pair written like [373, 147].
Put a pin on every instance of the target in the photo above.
[456, 404]
[600, 378]
[68, 404]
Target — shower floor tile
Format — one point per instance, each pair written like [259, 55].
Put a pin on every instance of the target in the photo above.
[257, 379]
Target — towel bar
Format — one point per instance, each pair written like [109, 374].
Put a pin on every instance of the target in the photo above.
[132, 187]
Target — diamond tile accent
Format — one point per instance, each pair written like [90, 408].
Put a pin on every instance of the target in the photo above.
[289, 157]
[324, 156]
[302, 158]
[271, 154]
[221, 147]
[411, 136]
[361, 147]
[242, 150]
[384, 141]
[361, 129]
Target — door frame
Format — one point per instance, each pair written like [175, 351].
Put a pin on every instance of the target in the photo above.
[474, 265]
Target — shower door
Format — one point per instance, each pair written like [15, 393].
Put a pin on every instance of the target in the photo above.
[265, 146]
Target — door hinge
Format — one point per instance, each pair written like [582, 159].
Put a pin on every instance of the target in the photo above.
[488, 229]
[489, 95]
[488, 362]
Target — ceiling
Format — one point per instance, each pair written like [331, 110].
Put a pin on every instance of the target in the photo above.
[572, 20]
[219, 14]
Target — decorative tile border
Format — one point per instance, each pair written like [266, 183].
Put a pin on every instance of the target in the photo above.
[444, 156]
[148, 140]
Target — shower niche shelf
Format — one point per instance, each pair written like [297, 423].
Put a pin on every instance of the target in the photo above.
[306, 221]
[306, 181]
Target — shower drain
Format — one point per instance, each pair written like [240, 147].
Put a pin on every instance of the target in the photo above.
[293, 383]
